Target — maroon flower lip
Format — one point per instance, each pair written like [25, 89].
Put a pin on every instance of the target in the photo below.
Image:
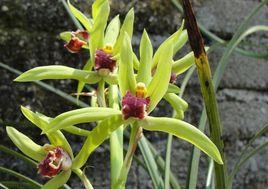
[79, 38]
[104, 60]
[55, 161]
[133, 106]
[173, 78]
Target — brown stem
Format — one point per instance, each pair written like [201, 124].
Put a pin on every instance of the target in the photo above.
[207, 88]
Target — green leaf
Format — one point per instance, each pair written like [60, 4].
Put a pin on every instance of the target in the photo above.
[150, 163]
[112, 31]
[221, 68]
[19, 155]
[21, 177]
[42, 121]
[3, 186]
[83, 115]
[184, 131]
[81, 17]
[173, 89]
[160, 81]
[126, 76]
[48, 87]
[25, 144]
[17, 185]
[101, 10]
[169, 44]
[116, 139]
[210, 175]
[58, 180]
[146, 58]
[167, 163]
[96, 137]
[126, 27]
[246, 154]
[58, 72]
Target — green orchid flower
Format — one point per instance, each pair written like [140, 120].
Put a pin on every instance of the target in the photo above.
[137, 102]
[103, 42]
[55, 160]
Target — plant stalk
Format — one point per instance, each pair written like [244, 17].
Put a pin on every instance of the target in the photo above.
[207, 89]
[116, 140]
[135, 136]
[83, 178]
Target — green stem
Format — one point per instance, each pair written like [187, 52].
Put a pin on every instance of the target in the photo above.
[101, 94]
[135, 136]
[207, 89]
[75, 21]
[210, 175]
[170, 137]
[116, 140]
[83, 178]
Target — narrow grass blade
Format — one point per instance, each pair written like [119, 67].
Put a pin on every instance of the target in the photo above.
[48, 87]
[210, 175]
[246, 154]
[18, 155]
[193, 167]
[215, 38]
[151, 164]
[169, 140]
[116, 139]
[20, 176]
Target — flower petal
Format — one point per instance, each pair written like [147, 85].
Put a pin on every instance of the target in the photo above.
[25, 144]
[58, 180]
[184, 131]
[96, 137]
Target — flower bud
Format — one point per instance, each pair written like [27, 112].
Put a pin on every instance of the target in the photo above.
[173, 78]
[79, 38]
[55, 161]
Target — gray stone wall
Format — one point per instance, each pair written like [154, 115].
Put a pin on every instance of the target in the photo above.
[29, 38]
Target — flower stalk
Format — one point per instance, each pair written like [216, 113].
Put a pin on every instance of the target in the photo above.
[83, 177]
[116, 140]
[207, 89]
[135, 136]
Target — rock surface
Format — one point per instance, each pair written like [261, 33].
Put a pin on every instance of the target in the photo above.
[29, 38]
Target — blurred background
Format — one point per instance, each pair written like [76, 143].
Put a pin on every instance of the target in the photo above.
[29, 37]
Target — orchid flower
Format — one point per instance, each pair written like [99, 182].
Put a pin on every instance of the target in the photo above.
[142, 83]
[55, 160]
[137, 103]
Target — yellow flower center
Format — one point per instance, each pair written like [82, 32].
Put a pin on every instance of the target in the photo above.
[108, 49]
[141, 90]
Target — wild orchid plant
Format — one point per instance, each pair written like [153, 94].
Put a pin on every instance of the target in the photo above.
[128, 90]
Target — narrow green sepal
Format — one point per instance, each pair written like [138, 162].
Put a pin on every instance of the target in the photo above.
[25, 144]
[184, 131]
[96, 137]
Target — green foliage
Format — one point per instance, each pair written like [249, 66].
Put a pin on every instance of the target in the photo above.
[152, 69]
